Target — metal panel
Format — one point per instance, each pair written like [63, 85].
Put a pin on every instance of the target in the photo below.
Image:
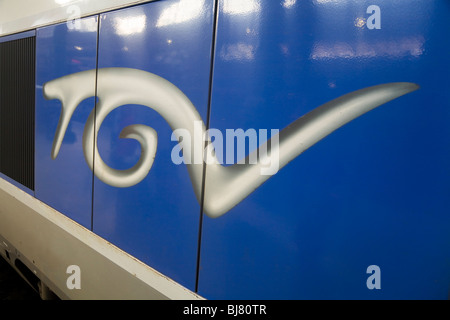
[64, 180]
[375, 192]
[17, 81]
[155, 220]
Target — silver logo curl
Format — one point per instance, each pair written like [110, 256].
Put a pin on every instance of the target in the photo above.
[227, 185]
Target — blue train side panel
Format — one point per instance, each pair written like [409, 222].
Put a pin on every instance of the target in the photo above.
[156, 220]
[65, 183]
[376, 192]
[361, 213]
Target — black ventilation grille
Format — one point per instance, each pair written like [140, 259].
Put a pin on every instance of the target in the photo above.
[17, 94]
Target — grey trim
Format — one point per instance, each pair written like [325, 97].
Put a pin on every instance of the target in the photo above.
[56, 14]
[47, 242]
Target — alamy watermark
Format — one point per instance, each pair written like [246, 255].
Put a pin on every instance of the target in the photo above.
[74, 280]
[374, 280]
[212, 147]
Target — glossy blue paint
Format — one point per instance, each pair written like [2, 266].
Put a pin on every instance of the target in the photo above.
[66, 182]
[156, 220]
[375, 192]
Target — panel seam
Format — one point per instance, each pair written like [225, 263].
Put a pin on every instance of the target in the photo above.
[95, 122]
[208, 113]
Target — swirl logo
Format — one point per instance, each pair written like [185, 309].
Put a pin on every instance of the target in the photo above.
[227, 185]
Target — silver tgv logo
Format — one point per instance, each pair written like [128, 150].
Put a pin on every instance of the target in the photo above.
[227, 185]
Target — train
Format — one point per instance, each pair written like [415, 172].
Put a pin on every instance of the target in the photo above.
[226, 149]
